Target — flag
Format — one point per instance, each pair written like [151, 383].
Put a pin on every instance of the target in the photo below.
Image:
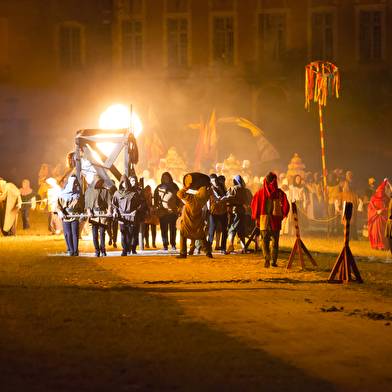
[200, 144]
[153, 145]
[266, 149]
[242, 122]
[213, 138]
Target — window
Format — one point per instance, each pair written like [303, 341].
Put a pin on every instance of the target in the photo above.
[370, 38]
[273, 37]
[177, 5]
[322, 36]
[70, 40]
[132, 43]
[177, 42]
[224, 41]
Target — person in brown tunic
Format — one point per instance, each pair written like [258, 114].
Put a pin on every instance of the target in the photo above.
[192, 224]
[98, 202]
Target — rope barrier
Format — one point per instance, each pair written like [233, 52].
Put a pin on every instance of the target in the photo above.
[319, 220]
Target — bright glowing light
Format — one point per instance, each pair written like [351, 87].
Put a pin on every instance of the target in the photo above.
[106, 148]
[118, 116]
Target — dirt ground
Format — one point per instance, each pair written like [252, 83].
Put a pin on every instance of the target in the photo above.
[327, 331]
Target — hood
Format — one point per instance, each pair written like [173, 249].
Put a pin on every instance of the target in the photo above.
[136, 179]
[98, 182]
[168, 175]
[238, 180]
[270, 186]
[124, 183]
[71, 189]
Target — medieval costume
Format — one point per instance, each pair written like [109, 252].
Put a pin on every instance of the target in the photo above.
[54, 222]
[333, 191]
[367, 195]
[168, 206]
[388, 226]
[377, 218]
[218, 213]
[285, 222]
[237, 197]
[152, 220]
[29, 200]
[269, 207]
[348, 196]
[127, 200]
[10, 203]
[98, 201]
[69, 203]
[113, 231]
[298, 194]
[192, 224]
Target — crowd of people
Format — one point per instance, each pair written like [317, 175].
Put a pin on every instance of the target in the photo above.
[224, 208]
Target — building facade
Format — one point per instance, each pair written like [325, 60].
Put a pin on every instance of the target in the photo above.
[62, 63]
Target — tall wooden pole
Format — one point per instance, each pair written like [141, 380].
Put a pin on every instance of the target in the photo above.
[321, 80]
[324, 167]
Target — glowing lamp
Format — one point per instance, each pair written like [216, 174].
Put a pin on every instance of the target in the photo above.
[118, 116]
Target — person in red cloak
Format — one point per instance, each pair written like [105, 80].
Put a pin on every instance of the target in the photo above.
[377, 218]
[269, 207]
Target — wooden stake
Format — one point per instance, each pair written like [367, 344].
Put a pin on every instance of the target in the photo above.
[298, 245]
[345, 261]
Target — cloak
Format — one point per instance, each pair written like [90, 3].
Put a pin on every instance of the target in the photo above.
[127, 199]
[377, 218]
[10, 202]
[98, 200]
[269, 206]
[192, 224]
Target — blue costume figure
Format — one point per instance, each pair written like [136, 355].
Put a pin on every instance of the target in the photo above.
[69, 203]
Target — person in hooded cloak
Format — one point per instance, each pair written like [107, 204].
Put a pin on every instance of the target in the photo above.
[269, 207]
[168, 207]
[98, 201]
[69, 203]
[29, 200]
[10, 203]
[127, 200]
[377, 218]
[237, 197]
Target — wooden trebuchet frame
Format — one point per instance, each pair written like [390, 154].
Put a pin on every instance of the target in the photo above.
[86, 141]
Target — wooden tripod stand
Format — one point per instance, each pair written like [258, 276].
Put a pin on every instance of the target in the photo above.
[299, 245]
[255, 238]
[345, 261]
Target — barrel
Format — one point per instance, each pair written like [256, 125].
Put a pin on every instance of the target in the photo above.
[196, 180]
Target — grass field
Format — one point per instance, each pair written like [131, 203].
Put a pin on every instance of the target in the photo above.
[67, 324]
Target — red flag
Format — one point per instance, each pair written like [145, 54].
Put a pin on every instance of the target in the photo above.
[200, 144]
[213, 138]
[153, 144]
